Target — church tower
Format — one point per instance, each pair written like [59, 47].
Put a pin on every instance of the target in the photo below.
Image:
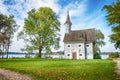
[68, 23]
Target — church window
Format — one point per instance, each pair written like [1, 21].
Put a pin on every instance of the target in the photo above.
[87, 45]
[80, 54]
[79, 45]
[68, 45]
[81, 35]
[68, 54]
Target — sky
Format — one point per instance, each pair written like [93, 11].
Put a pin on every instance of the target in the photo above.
[84, 14]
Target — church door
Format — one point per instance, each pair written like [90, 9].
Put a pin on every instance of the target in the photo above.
[74, 55]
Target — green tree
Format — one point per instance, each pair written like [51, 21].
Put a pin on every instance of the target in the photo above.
[8, 27]
[99, 41]
[41, 30]
[113, 18]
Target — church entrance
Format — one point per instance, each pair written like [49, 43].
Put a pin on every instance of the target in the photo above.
[74, 55]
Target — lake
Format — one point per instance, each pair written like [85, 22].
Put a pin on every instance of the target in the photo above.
[23, 55]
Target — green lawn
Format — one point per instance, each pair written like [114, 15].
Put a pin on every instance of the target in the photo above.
[57, 69]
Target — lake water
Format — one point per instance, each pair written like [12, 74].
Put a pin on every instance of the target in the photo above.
[104, 56]
[17, 56]
[22, 55]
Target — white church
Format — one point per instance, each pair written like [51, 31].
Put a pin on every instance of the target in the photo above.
[78, 44]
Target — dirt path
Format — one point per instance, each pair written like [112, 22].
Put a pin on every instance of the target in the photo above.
[10, 75]
[3, 77]
[118, 67]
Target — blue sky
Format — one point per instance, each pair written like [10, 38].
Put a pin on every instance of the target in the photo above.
[84, 14]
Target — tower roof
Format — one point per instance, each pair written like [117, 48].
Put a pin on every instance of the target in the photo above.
[68, 19]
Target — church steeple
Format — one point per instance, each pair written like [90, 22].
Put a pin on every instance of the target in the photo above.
[68, 23]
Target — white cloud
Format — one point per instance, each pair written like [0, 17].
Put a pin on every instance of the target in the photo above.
[3, 8]
[20, 9]
[81, 21]
[109, 48]
[77, 8]
[43, 3]
[77, 12]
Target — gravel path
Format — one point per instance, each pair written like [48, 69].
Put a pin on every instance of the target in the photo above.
[3, 77]
[118, 65]
[118, 68]
[10, 75]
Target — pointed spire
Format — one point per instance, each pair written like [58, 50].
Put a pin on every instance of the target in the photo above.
[68, 22]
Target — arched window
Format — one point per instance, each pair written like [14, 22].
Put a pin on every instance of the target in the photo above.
[81, 35]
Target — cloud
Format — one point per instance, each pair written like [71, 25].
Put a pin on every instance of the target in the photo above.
[2, 7]
[81, 20]
[43, 3]
[19, 9]
[77, 9]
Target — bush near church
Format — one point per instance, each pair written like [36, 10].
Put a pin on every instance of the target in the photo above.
[113, 55]
[97, 56]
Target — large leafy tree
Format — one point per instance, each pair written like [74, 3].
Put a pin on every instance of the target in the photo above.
[40, 31]
[113, 18]
[99, 41]
[7, 28]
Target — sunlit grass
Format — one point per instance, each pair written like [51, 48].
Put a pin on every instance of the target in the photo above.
[59, 69]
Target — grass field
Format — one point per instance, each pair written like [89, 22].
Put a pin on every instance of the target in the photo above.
[57, 69]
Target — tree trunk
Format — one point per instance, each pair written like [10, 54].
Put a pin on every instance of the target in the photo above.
[40, 55]
[7, 50]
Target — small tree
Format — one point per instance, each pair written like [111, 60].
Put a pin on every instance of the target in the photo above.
[7, 28]
[99, 41]
[40, 31]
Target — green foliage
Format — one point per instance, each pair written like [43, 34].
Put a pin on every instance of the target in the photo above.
[58, 69]
[41, 30]
[114, 55]
[99, 41]
[8, 27]
[97, 56]
[113, 18]
[37, 55]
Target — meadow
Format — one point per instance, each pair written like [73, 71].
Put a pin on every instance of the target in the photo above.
[61, 69]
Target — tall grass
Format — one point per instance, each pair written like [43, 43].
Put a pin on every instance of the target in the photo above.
[58, 69]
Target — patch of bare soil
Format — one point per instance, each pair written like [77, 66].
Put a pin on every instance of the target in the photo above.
[10, 75]
[3, 77]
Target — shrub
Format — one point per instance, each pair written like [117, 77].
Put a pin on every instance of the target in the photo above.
[114, 55]
[97, 56]
[37, 55]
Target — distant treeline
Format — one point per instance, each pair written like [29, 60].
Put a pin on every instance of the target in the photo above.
[109, 52]
[17, 53]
